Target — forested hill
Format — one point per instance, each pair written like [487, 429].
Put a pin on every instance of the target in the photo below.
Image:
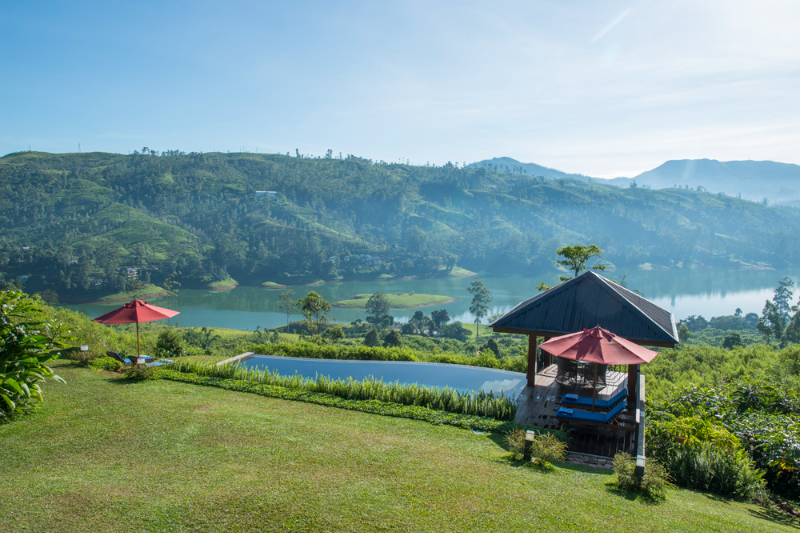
[74, 220]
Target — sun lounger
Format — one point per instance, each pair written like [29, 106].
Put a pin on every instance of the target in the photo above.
[149, 361]
[611, 419]
[581, 401]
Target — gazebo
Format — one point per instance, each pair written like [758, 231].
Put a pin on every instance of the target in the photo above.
[584, 302]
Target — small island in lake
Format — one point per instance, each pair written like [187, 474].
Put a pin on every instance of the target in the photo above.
[397, 300]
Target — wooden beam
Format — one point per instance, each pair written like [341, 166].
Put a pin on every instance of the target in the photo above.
[633, 381]
[532, 346]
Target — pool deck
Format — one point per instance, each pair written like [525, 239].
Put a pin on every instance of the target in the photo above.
[537, 406]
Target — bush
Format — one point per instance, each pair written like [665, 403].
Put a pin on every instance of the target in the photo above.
[169, 344]
[371, 339]
[138, 373]
[546, 448]
[105, 363]
[392, 340]
[26, 337]
[653, 484]
[515, 440]
[491, 345]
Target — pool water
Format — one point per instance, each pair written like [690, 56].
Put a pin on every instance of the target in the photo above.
[459, 377]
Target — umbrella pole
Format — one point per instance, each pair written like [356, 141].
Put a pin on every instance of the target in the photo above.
[594, 385]
[138, 350]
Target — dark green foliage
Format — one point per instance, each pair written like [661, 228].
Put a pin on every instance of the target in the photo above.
[204, 338]
[392, 340]
[480, 301]
[76, 219]
[26, 337]
[575, 258]
[770, 324]
[783, 298]
[371, 339]
[314, 307]
[454, 331]
[334, 334]
[377, 308]
[516, 444]
[791, 335]
[653, 484]
[138, 373]
[169, 344]
[491, 345]
[695, 323]
[732, 340]
[440, 317]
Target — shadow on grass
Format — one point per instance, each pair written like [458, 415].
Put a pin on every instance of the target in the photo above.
[633, 495]
[772, 514]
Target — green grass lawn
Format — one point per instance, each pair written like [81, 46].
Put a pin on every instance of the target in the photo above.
[272, 285]
[222, 285]
[164, 456]
[397, 300]
[149, 291]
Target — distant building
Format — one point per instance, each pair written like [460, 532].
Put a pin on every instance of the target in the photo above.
[130, 272]
[272, 195]
[23, 278]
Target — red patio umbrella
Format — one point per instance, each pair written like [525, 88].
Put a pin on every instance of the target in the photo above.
[136, 311]
[600, 346]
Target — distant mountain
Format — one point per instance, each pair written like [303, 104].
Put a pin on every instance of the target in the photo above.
[779, 183]
[512, 166]
[755, 180]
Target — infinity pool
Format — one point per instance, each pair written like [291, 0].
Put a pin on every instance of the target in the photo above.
[459, 377]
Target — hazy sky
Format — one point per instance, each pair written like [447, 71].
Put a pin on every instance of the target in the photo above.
[609, 88]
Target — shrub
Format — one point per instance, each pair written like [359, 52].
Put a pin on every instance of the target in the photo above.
[653, 484]
[546, 448]
[105, 363]
[515, 440]
[392, 340]
[169, 344]
[371, 339]
[138, 373]
[491, 345]
[25, 339]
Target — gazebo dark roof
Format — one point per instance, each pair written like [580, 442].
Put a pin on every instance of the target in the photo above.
[587, 301]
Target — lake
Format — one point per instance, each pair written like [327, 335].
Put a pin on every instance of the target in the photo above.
[705, 292]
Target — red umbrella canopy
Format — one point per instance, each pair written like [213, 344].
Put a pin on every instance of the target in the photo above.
[598, 345]
[136, 311]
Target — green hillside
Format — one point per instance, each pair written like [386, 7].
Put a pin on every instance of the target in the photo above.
[72, 221]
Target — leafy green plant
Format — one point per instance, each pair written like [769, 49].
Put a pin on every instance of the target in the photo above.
[138, 373]
[169, 344]
[446, 399]
[515, 441]
[653, 484]
[26, 337]
[105, 363]
[546, 448]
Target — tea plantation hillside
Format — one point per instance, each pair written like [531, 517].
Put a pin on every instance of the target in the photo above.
[72, 221]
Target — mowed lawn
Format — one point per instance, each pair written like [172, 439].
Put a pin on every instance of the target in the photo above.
[163, 456]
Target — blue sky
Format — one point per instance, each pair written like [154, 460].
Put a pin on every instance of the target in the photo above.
[607, 89]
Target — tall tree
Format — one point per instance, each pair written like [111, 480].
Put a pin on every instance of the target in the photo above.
[314, 308]
[769, 324]
[480, 302]
[783, 298]
[440, 317]
[377, 307]
[289, 306]
[575, 258]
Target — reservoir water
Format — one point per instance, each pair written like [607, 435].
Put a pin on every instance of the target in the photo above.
[706, 292]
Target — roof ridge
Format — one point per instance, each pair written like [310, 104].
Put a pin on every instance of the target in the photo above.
[614, 286]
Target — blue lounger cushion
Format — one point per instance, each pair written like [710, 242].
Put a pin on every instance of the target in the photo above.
[591, 416]
[574, 399]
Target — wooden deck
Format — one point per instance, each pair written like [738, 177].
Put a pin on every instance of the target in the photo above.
[537, 406]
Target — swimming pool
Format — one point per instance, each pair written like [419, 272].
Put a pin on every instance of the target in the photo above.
[440, 375]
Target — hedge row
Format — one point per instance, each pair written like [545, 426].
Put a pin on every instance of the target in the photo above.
[365, 406]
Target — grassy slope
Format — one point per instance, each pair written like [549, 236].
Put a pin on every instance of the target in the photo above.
[400, 300]
[165, 456]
